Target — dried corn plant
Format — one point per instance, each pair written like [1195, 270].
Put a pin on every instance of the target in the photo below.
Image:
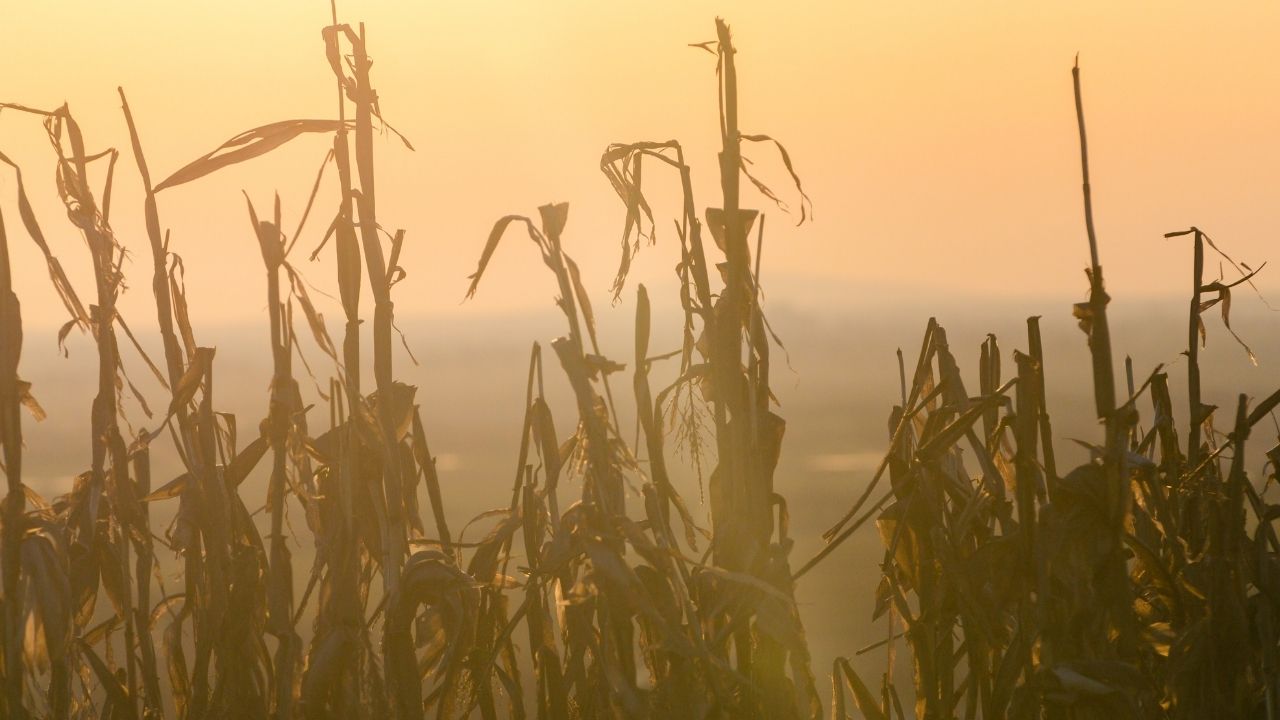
[1140, 584]
[724, 370]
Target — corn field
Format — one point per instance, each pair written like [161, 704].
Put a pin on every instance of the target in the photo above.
[1144, 583]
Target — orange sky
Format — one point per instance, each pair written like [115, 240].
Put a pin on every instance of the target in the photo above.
[937, 140]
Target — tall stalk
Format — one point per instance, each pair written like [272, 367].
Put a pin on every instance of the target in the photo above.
[339, 621]
[110, 479]
[739, 497]
[175, 366]
[14, 500]
[1196, 408]
[1104, 386]
[394, 541]
[283, 388]
[1116, 422]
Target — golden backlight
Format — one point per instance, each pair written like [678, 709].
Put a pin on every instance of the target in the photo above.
[224, 502]
[926, 136]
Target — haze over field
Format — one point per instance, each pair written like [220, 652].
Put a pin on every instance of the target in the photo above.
[836, 395]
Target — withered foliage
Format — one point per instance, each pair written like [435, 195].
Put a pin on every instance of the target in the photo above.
[1142, 584]
[614, 612]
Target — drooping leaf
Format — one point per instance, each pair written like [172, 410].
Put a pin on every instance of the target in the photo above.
[246, 146]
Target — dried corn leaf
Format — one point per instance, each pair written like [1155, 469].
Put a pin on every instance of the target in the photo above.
[248, 145]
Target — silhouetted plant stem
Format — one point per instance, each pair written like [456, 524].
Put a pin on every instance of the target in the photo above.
[14, 501]
[1196, 409]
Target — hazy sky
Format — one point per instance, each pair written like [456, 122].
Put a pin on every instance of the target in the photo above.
[937, 140]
